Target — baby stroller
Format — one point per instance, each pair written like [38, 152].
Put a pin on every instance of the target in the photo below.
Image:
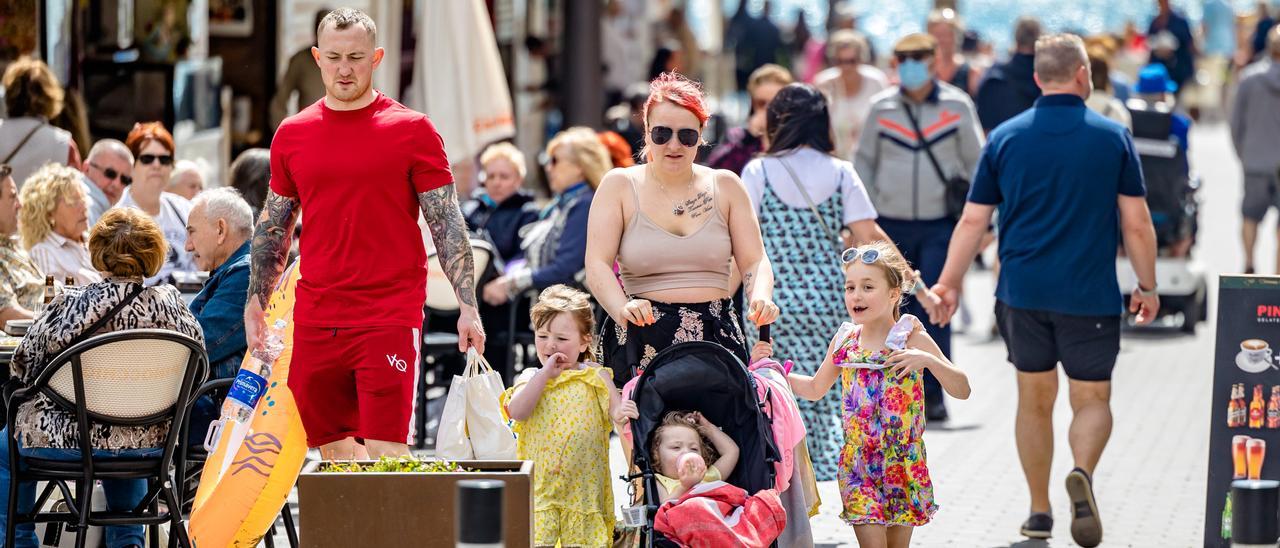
[708, 378]
[1171, 197]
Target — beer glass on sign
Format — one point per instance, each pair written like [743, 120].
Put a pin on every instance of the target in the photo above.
[1238, 455]
[1257, 451]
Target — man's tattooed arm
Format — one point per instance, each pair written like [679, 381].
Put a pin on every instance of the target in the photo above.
[270, 249]
[449, 232]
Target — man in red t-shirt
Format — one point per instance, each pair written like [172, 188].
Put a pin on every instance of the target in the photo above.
[360, 166]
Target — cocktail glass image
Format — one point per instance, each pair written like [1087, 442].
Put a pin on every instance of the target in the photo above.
[1238, 444]
[1257, 450]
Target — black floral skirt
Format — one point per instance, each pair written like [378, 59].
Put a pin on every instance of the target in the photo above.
[627, 349]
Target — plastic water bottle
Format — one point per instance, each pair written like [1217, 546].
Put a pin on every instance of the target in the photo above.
[251, 380]
[247, 388]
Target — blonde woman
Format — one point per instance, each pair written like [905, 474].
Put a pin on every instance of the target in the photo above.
[54, 218]
[556, 246]
[501, 207]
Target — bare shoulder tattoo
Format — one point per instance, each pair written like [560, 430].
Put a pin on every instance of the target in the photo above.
[449, 232]
[270, 248]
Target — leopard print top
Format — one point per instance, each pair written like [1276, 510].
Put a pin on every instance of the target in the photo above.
[42, 424]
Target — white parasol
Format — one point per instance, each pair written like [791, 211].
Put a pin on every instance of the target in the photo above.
[458, 79]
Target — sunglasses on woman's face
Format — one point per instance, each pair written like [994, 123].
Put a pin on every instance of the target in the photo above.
[5, 170]
[112, 174]
[868, 255]
[918, 55]
[148, 159]
[662, 134]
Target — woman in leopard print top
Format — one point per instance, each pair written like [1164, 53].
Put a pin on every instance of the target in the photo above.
[126, 245]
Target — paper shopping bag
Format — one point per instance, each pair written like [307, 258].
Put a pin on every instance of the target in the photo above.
[452, 442]
[491, 436]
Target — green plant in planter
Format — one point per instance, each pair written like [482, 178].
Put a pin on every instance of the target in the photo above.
[396, 464]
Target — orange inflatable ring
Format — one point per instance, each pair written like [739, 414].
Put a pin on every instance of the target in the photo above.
[239, 497]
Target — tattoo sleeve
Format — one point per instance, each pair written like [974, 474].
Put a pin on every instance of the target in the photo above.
[270, 249]
[449, 232]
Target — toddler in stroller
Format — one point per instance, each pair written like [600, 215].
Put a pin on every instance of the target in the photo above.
[705, 378]
[681, 451]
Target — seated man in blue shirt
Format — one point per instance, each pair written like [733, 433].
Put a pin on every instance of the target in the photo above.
[218, 232]
[1160, 138]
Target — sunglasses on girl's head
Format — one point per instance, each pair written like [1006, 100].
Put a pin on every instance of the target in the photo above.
[112, 174]
[164, 159]
[662, 134]
[868, 255]
[918, 55]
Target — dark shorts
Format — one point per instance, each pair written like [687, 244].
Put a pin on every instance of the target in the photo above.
[1038, 340]
[354, 382]
[1261, 193]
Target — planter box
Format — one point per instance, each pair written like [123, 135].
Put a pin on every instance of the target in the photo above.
[342, 510]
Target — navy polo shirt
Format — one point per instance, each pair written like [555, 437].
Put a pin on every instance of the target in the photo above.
[1056, 171]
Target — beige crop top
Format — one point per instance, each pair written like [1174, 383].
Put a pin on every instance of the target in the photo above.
[652, 259]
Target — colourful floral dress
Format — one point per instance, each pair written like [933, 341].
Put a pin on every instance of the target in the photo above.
[883, 476]
[567, 438]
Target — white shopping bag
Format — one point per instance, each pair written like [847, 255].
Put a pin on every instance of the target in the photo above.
[471, 424]
[452, 442]
[491, 436]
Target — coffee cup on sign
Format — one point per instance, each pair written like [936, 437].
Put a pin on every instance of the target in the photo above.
[1256, 350]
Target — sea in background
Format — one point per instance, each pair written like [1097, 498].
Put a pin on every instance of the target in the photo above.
[883, 21]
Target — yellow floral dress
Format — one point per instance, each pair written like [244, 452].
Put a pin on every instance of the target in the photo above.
[567, 438]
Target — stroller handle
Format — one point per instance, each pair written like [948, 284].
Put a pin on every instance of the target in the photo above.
[764, 333]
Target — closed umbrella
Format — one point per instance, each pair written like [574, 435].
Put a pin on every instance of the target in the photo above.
[458, 78]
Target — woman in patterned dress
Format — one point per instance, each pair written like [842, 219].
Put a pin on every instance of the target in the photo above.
[811, 205]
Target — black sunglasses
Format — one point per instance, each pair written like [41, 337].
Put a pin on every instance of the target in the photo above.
[112, 174]
[164, 159]
[5, 170]
[661, 134]
[918, 55]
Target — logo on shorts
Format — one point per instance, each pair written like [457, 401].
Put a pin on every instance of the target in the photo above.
[397, 363]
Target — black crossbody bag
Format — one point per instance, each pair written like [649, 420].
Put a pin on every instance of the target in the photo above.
[957, 187]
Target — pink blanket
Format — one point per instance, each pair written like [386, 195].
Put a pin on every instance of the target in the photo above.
[716, 514]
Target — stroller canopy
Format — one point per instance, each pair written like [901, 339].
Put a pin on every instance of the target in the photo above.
[706, 377]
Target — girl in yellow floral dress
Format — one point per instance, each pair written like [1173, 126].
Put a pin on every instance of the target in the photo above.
[879, 356]
[562, 414]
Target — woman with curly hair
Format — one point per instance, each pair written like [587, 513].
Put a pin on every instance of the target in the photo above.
[53, 220]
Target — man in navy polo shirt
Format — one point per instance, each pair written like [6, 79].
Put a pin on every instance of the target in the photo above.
[1067, 182]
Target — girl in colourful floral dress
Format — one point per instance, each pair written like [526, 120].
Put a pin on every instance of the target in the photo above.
[879, 358]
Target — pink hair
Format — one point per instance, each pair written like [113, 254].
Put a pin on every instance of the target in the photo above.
[673, 88]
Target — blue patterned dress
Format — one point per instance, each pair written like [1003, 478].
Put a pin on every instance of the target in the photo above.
[808, 288]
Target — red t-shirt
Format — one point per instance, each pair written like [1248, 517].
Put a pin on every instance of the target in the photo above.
[357, 174]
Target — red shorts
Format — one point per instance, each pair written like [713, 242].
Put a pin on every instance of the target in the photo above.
[355, 382]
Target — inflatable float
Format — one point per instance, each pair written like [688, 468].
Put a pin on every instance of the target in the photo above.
[249, 473]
